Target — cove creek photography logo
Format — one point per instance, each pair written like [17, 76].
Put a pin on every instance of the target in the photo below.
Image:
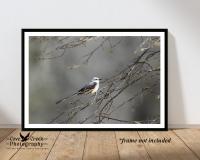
[27, 141]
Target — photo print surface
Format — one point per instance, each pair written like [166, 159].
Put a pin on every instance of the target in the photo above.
[94, 79]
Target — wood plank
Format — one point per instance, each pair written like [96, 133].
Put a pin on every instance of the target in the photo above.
[69, 145]
[133, 150]
[6, 151]
[174, 150]
[4, 132]
[37, 153]
[191, 138]
[101, 145]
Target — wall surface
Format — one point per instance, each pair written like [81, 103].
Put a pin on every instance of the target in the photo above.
[181, 17]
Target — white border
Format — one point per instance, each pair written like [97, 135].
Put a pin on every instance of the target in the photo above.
[97, 126]
[170, 126]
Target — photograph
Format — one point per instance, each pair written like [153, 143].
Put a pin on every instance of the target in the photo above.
[94, 79]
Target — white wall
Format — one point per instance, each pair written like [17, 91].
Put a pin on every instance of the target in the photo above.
[181, 17]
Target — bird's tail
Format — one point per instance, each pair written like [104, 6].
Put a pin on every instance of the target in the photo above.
[63, 99]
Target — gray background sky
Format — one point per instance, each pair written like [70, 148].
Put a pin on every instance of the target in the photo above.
[52, 79]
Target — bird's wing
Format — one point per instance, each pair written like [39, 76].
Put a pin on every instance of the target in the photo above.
[27, 135]
[87, 88]
[22, 137]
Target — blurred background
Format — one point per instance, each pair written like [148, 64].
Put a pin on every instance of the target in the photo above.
[60, 66]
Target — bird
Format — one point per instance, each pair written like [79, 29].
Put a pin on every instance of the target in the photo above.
[24, 138]
[90, 88]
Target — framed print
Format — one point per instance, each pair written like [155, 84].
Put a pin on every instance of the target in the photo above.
[94, 79]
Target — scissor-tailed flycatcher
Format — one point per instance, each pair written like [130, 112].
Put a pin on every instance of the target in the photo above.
[91, 87]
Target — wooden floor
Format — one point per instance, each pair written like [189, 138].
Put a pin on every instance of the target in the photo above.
[185, 144]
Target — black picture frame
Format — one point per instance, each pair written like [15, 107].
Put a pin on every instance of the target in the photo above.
[23, 82]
